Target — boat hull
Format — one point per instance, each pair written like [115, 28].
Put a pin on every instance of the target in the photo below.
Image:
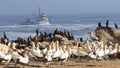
[43, 23]
[27, 23]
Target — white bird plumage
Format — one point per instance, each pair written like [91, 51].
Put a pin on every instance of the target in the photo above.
[92, 36]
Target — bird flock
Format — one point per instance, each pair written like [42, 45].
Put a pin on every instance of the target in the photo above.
[59, 46]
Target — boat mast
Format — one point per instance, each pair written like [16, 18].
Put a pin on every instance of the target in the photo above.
[39, 12]
[39, 16]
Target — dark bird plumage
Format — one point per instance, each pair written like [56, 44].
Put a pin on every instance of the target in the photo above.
[5, 37]
[37, 31]
[116, 26]
[81, 39]
[56, 31]
[107, 23]
[99, 24]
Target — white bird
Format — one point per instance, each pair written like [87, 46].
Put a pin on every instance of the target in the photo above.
[23, 58]
[88, 47]
[69, 50]
[48, 56]
[100, 52]
[78, 51]
[75, 50]
[50, 52]
[15, 56]
[6, 57]
[2, 55]
[36, 51]
[58, 52]
[64, 53]
[114, 50]
[52, 48]
[92, 36]
[92, 55]
[107, 50]
[43, 49]
[81, 52]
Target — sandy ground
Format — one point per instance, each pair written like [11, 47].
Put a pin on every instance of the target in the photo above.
[70, 63]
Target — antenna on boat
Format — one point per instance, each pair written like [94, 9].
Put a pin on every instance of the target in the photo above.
[39, 11]
[33, 13]
[39, 15]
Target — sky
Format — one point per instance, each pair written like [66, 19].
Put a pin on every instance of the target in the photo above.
[25, 7]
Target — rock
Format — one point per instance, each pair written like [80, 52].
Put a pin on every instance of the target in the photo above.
[108, 34]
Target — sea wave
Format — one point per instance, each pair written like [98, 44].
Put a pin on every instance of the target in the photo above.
[61, 26]
[15, 31]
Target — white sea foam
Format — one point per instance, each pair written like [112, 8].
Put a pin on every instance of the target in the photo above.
[26, 30]
[71, 26]
[20, 26]
[50, 27]
[15, 31]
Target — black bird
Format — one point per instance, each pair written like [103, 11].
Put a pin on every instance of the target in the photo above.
[41, 34]
[65, 33]
[68, 35]
[99, 24]
[116, 26]
[37, 31]
[56, 31]
[28, 39]
[81, 39]
[72, 37]
[31, 38]
[5, 37]
[107, 23]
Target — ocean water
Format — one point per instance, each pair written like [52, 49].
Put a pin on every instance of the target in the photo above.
[79, 25]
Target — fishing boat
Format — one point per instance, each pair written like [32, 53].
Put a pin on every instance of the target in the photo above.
[27, 22]
[43, 19]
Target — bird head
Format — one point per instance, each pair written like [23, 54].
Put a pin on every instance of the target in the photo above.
[90, 33]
